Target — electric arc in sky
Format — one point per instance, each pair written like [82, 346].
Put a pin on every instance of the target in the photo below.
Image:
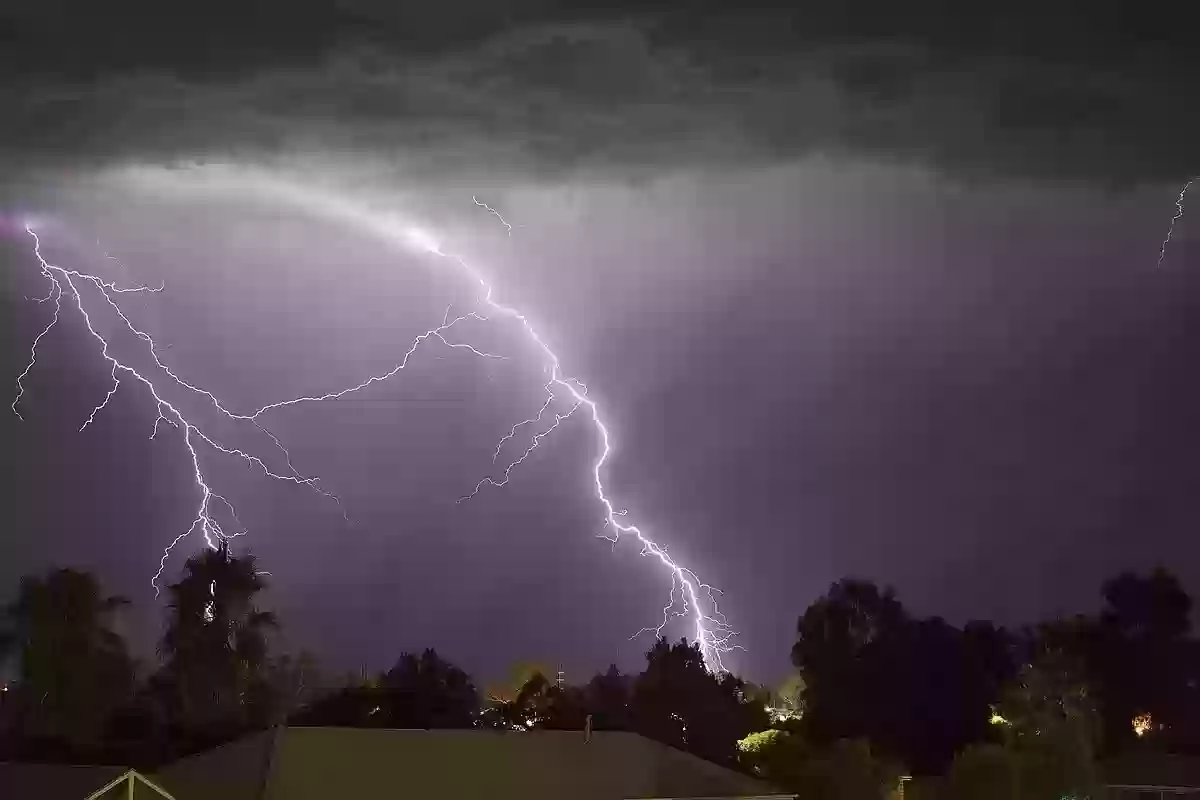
[216, 518]
[207, 519]
[1162, 251]
[493, 212]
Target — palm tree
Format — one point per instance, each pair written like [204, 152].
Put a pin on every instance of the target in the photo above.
[215, 645]
[74, 669]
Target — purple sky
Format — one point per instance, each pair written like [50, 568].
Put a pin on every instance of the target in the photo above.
[942, 358]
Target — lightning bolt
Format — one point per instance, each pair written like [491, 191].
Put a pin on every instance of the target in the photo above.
[63, 282]
[711, 629]
[493, 212]
[56, 295]
[1162, 251]
[688, 595]
[549, 387]
[205, 519]
[437, 333]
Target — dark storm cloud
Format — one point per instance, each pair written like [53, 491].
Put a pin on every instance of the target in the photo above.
[1100, 96]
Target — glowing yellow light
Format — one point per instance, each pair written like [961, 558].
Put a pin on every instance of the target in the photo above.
[1142, 724]
[782, 714]
[998, 719]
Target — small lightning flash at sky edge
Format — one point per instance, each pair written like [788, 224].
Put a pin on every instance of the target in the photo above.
[493, 212]
[1162, 252]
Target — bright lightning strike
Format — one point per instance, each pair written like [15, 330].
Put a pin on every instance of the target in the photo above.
[688, 596]
[62, 281]
[711, 629]
[1162, 251]
[209, 525]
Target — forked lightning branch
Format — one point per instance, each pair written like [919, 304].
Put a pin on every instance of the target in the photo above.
[215, 519]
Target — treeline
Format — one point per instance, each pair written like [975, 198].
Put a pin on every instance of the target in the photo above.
[1001, 713]
[876, 692]
[675, 700]
[78, 695]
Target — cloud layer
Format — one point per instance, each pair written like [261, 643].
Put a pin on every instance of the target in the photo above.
[1099, 98]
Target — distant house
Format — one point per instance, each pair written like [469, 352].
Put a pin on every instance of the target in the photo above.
[347, 763]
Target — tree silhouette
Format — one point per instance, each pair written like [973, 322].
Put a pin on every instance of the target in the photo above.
[873, 683]
[1154, 608]
[917, 689]
[426, 691]
[419, 691]
[215, 645]
[607, 698]
[349, 707]
[541, 704]
[676, 700]
[73, 668]
[1050, 732]
[844, 770]
[843, 648]
[1144, 663]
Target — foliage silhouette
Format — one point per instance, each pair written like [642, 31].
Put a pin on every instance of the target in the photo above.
[74, 671]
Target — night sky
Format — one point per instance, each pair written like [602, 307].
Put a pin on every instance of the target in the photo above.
[869, 291]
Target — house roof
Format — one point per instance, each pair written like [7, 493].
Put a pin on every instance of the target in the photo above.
[318, 763]
[1153, 769]
[54, 781]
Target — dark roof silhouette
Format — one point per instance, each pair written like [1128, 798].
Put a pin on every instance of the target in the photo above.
[301, 763]
[1153, 769]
